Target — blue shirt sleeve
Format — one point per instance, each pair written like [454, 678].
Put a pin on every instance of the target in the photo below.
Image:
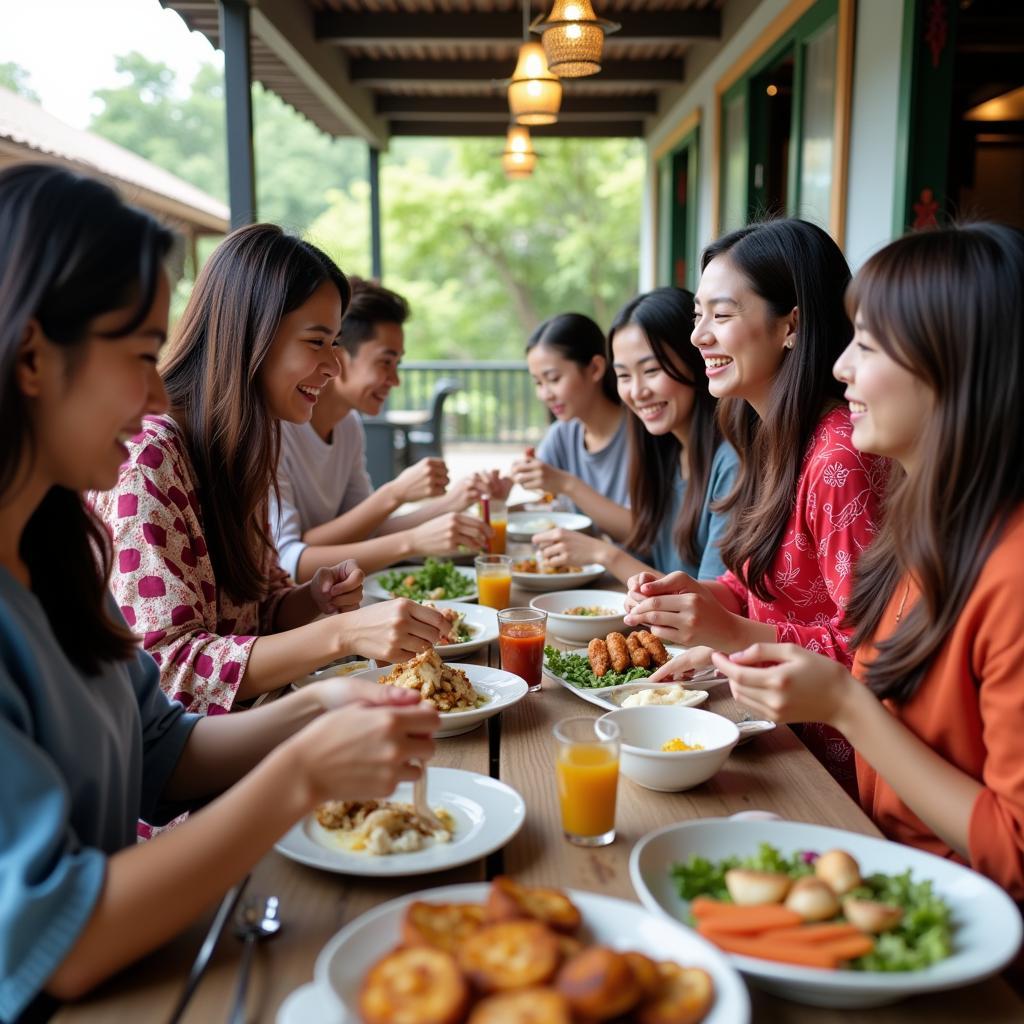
[552, 448]
[723, 475]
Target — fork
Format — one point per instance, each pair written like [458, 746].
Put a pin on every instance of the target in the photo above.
[419, 801]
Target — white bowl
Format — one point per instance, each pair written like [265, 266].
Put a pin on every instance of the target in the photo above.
[645, 729]
[524, 525]
[547, 581]
[344, 961]
[987, 924]
[579, 629]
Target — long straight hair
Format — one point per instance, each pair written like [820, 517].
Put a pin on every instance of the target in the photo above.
[947, 306]
[256, 276]
[789, 263]
[665, 315]
[577, 338]
[70, 251]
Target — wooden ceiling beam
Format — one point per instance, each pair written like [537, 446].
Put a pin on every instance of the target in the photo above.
[381, 73]
[497, 128]
[484, 108]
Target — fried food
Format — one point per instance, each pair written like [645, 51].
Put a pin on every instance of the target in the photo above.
[618, 651]
[529, 1006]
[445, 686]
[441, 925]
[638, 654]
[599, 984]
[530, 565]
[510, 901]
[509, 955]
[645, 970]
[654, 646]
[684, 996]
[597, 655]
[418, 985]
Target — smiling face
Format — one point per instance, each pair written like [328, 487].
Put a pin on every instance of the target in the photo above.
[366, 378]
[564, 386]
[664, 405]
[743, 343]
[889, 406]
[303, 356]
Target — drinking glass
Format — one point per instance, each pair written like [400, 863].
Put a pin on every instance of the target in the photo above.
[521, 633]
[494, 580]
[497, 516]
[587, 768]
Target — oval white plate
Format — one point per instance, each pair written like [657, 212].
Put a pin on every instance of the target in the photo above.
[614, 700]
[349, 667]
[501, 688]
[538, 581]
[373, 590]
[344, 961]
[987, 924]
[487, 815]
[482, 623]
[525, 524]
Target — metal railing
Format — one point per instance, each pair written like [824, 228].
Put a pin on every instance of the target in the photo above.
[496, 403]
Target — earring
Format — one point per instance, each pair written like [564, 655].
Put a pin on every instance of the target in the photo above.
[788, 343]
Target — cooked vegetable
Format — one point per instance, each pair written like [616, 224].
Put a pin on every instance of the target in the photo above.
[767, 949]
[749, 887]
[436, 581]
[813, 933]
[576, 670]
[812, 899]
[838, 870]
[751, 920]
[871, 916]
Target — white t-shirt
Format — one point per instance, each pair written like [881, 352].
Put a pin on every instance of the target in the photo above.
[318, 480]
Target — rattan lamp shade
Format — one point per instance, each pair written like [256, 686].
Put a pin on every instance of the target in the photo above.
[573, 38]
[519, 158]
[534, 92]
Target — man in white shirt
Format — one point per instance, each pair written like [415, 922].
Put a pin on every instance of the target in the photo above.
[327, 509]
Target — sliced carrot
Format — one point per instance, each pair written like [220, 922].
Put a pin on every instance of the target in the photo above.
[705, 906]
[812, 933]
[764, 949]
[751, 920]
[850, 948]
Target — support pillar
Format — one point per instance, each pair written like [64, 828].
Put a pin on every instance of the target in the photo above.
[234, 39]
[375, 257]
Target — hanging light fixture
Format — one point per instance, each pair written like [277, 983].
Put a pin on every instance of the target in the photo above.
[573, 38]
[534, 92]
[519, 157]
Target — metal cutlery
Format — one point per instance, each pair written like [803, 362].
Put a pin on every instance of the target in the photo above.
[258, 920]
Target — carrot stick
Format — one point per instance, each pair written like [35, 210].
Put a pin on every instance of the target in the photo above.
[812, 933]
[763, 949]
[751, 920]
[850, 948]
[705, 906]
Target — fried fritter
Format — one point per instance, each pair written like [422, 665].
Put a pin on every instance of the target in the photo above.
[417, 985]
[597, 655]
[508, 955]
[654, 646]
[441, 925]
[684, 997]
[509, 901]
[528, 1006]
[618, 651]
[638, 654]
[599, 984]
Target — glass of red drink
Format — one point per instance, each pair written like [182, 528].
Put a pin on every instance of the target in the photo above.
[521, 633]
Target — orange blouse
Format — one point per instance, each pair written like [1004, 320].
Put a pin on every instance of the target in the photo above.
[969, 708]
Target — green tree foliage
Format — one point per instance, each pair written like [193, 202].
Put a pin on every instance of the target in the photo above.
[16, 78]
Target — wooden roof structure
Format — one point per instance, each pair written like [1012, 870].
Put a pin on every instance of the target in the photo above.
[383, 68]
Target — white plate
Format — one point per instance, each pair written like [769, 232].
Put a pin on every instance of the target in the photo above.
[591, 693]
[502, 689]
[375, 592]
[614, 700]
[348, 667]
[524, 525]
[344, 961]
[487, 815]
[305, 1005]
[482, 623]
[987, 924]
[538, 581]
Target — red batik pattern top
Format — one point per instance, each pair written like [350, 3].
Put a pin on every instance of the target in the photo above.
[835, 517]
[163, 578]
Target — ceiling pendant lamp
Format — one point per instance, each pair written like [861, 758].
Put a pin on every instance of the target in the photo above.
[573, 37]
[519, 157]
[534, 92]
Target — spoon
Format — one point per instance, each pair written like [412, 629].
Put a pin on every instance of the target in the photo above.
[257, 920]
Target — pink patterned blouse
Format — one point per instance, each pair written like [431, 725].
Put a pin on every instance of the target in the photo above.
[835, 517]
[163, 578]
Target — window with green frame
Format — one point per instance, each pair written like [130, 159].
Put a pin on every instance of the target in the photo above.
[778, 126]
[677, 213]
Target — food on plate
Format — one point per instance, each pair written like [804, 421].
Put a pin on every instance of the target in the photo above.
[885, 922]
[618, 652]
[599, 657]
[580, 670]
[436, 581]
[591, 611]
[654, 646]
[446, 687]
[676, 744]
[536, 525]
[501, 963]
[458, 631]
[531, 566]
[667, 695]
[638, 654]
[381, 827]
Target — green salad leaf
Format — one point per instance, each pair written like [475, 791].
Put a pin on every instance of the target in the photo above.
[575, 669]
[436, 581]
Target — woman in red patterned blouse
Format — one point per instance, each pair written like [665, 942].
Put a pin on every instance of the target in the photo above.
[770, 323]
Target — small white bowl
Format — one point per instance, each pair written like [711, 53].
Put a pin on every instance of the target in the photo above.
[644, 730]
[579, 629]
[523, 525]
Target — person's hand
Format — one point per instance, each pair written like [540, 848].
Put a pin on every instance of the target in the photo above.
[682, 667]
[787, 683]
[680, 610]
[445, 534]
[361, 751]
[337, 588]
[426, 479]
[493, 484]
[568, 547]
[331, 694]
[392, 630]
[535, 475]
[634, 593]
[465, 492]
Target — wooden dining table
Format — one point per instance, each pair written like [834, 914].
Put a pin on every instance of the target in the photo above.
[774, 772]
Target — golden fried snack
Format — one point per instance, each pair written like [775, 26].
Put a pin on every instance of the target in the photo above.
[418, 985]
[597, 655]
[527, 1006]
[599, 984]
[507, 900]
[568, 946]
[645, 970]
[638, 654]
[684, 997]
[654, 646]
[509, 955]
[617, 651]
[441, 925]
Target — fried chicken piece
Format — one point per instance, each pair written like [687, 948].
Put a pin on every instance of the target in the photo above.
[618, 651]
[507, 900]
[417, 985]
[599, 984]
[509, 955]
[654, 646]
[446, 687]
[597, 655]
[441, 925]
[528, 1006]
[638, 654]
[684, 996]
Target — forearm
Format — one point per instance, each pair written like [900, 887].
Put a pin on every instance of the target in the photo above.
[621, 564]
[725, 597]
[362, 521]
[373, 554]
[154, 890]
[283, 657]
[295, 609]
[608, 516]
[421, 514]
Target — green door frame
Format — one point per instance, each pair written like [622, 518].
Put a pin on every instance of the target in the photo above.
[677, 227]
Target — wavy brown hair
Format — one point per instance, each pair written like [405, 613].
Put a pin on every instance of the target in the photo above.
[789, 263]
[70, 251]
[256, 276]
[947, 306]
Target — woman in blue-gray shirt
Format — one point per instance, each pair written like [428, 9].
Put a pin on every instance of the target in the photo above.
[90, 743]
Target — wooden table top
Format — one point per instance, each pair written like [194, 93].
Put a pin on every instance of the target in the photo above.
[774, 772]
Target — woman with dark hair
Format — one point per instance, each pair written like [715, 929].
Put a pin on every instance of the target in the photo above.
[769, 324]
[933, 379]
[90, 743]
[197, 571]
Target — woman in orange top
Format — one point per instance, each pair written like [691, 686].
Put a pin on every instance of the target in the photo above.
[934, 377]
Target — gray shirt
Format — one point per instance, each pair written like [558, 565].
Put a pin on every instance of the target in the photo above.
[605, 471]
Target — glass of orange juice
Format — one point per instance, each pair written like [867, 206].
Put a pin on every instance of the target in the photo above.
[494, 580]
[497, 516]
[588, 778]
